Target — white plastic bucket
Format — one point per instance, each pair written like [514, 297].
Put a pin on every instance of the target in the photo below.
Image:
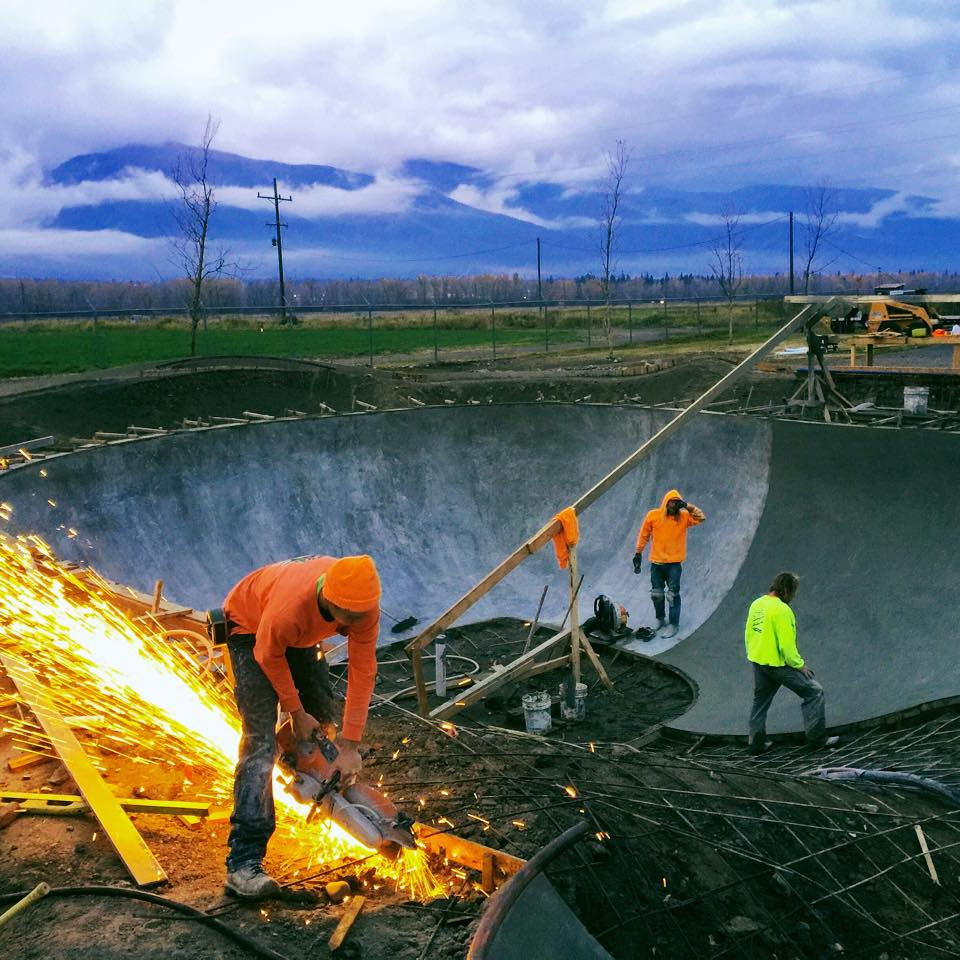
[579, 709]
[915, 399]
[536, 712]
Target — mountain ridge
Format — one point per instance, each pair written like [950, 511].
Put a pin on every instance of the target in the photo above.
[430, 216]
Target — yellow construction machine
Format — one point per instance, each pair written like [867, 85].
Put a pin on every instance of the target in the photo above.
[882, 314]
[907, 318]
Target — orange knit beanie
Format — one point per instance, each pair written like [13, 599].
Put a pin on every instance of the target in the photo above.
[352, 583]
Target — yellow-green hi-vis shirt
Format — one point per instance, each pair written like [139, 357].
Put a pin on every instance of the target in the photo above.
[771, 634]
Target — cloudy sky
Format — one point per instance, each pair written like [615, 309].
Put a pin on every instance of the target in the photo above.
[707, 94]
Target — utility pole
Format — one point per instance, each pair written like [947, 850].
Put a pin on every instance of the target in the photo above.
[277, 241]
[539, 281]
[791, 253]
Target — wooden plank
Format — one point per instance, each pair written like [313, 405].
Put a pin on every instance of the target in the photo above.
[26, 760]
[574, 614]
[138, 605]
[468, 853]
[926, 854]
[528, 547]
[806, 317]
[131, 804]
[130, 846]
[486, 686]
[595, 660]
[37, 444]
[350, 914]
[157, 597]
[536, 619]
[538, 668]
[488, 873]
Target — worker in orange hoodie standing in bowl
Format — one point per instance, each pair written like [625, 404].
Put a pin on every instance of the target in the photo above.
[666, 529]
[277, 617]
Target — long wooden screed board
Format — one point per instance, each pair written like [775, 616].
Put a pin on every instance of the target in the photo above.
[130, 846]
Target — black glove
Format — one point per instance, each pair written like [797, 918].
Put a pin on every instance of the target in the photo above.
[637, 562]
[682, 505]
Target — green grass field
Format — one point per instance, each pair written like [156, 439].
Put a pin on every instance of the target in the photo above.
[45, 347]
[73, 349]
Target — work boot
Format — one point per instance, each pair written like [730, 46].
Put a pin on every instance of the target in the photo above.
[661, 622]
[670, 630]
[828, 743]
[251, 882]
[758, 746]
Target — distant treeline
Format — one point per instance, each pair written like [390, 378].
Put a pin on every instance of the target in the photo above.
[24, 296]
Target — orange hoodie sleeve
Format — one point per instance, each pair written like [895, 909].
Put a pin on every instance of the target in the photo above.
[645, 530]
[361, 674]
[277, 630]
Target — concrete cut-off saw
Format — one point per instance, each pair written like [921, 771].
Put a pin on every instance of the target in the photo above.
[365, 813]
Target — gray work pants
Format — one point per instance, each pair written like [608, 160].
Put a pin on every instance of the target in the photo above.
[252, 822]
[766, 682]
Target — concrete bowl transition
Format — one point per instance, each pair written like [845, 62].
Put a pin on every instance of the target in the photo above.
[440, 496]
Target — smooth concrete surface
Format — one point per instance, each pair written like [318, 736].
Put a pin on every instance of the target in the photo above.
[542, 927]
[440, 496]
[867, 518]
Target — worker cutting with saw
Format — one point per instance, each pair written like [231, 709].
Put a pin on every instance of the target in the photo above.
[276, 617]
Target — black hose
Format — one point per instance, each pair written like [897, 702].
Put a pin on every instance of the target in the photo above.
[183, 908]
[502, 903]
[926, 784]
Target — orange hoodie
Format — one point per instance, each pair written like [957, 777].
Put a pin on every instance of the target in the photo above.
[668, 534]
[278, 603]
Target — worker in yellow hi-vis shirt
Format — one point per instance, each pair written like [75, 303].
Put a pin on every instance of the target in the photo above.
[771, 640]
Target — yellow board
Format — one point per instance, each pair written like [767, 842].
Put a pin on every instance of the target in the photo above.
[130, 846]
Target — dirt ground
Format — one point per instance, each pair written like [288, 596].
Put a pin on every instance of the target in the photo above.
[695, 850]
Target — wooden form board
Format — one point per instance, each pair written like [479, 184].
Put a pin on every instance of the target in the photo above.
[904, 343]
[468, 853]
[132, 804]
[495, 680]
[137, 604]
[130, 846]
[805, 318]
[38, 444]
[350, 914]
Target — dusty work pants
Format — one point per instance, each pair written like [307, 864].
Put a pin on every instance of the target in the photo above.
[766, 682]
[665, 581]
[252, 822]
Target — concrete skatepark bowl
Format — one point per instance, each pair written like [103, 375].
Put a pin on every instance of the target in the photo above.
[440, 496]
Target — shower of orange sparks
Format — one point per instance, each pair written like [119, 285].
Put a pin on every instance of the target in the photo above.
[122, 680]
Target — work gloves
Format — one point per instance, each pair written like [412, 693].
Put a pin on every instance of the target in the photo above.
[681, 505]
[637, 562]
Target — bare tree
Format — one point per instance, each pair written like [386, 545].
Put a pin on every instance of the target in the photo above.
[727, 263]
[819, 220]
[192, 213]
[616, 161]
